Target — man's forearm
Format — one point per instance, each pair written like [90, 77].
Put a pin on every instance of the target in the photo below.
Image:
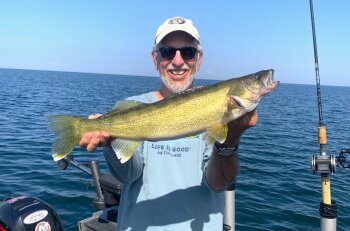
[221, 170]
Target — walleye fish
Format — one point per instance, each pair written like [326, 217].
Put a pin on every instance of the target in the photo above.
[206, 109]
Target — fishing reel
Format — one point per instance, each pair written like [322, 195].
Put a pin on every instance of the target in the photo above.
[327, 164]
[323, 164]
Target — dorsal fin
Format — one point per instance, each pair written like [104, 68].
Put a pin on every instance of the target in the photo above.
[127, 104]
[187, 91]
[122, 106]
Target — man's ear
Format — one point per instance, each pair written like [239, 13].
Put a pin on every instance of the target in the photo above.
[199, 61]
[155, 59]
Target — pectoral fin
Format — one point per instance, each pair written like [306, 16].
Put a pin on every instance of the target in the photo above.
[216, 133]
[124, 149]
[238, 103]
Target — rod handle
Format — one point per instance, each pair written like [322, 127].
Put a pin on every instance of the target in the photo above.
[322, 135]
[326, 190]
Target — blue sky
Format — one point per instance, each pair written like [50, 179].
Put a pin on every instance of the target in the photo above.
[238, 36]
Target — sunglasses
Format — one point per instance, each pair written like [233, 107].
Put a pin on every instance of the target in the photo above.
[168, 53]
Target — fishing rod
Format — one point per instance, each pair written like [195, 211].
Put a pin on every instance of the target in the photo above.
[323, 164]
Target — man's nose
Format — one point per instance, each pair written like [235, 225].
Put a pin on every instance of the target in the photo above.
[177, 60]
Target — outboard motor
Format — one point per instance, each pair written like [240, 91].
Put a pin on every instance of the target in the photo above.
[24, 213]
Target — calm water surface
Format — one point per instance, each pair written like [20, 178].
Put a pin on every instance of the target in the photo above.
[275, 190]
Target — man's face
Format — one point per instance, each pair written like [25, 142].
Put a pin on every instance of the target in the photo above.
[178, 72]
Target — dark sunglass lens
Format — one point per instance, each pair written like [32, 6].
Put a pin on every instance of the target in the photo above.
[167, 52]
[188, 52]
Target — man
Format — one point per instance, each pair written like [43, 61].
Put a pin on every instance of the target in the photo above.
[175, 184]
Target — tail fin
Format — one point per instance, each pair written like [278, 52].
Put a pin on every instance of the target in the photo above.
[65, 128]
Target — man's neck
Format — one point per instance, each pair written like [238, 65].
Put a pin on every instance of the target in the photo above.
[163, 93]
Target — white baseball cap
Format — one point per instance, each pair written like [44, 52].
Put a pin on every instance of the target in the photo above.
[176, 24]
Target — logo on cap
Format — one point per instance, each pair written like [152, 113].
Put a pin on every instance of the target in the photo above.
[177, 20]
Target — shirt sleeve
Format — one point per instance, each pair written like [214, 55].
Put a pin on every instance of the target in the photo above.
[207, 151]
[127, 172]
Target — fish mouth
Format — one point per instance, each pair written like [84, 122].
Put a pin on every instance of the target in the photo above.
[267, 80]
[261, 86]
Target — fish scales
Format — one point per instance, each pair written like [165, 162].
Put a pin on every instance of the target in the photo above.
[206, 109]
[169, 118]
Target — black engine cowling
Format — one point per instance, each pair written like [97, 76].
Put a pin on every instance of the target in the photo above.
[24, 213]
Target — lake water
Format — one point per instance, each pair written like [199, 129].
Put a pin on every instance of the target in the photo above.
[276, 189]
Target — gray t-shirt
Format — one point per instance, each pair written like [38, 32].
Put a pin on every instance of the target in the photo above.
[164, 186]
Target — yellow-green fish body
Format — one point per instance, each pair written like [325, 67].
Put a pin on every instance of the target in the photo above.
[207, 109]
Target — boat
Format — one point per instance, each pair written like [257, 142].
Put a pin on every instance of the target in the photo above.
[26, 213]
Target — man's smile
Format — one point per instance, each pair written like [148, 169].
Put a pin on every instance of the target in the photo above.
[178, 72]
